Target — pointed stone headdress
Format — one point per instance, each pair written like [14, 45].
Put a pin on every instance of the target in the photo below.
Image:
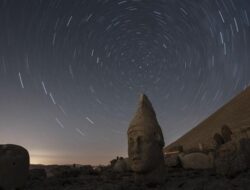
[145, 120]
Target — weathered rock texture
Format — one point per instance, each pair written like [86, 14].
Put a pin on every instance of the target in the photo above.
[14, 166]
[121, 165]
[233, 157]
[196, 161]
[172, 160]
[145, 143]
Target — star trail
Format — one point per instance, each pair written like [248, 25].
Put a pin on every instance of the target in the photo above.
[71, 71]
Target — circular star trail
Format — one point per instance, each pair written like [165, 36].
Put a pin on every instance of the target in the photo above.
[71, 71]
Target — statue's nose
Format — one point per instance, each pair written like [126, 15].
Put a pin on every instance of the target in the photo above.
[136, 147]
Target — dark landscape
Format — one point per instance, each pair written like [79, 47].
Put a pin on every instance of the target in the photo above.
[225, 165]
[124, 94]
[104, 178]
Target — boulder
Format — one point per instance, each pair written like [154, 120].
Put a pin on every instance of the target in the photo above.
[14, 166]
[172, 160]
[121, 165]
[231, 159]
[196, 161]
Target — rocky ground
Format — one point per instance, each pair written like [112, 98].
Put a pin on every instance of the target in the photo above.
[104, 178]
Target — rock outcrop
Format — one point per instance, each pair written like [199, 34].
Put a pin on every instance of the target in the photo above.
[14, 166]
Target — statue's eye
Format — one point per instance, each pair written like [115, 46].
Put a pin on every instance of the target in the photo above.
[144, 139]
[131, 141]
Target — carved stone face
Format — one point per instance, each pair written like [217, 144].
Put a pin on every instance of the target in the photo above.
[144, 151]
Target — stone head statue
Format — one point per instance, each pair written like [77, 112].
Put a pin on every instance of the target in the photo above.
[145, 141]
[226, 133]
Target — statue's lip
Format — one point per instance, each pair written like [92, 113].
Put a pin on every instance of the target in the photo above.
[136, 158]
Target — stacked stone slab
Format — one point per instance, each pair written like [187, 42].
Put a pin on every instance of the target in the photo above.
[14, 166]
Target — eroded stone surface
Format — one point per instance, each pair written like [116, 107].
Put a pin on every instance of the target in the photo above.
[14, 166]
[230, 160]
[145, 143]
[196, 161]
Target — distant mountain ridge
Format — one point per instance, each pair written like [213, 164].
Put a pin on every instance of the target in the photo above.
[235, 114]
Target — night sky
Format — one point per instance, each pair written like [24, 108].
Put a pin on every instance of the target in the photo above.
[71, 71]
